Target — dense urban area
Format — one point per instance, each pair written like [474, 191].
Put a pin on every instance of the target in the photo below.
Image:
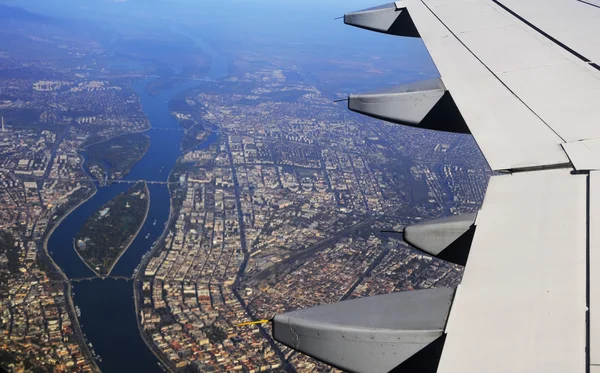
[283, 210]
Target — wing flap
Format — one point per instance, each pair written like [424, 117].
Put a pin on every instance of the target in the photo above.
[521, 306]
[594, 269]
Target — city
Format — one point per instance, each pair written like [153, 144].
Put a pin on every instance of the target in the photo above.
[282, 202]
[276, 199]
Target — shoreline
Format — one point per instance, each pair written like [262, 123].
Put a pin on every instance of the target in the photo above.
[85, 262]
[79, 335]
[77, 331]
[137, 278]
[51, 231]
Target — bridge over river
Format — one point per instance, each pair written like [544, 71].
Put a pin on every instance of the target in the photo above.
[120, 181]
[167, 129]
[116, 278]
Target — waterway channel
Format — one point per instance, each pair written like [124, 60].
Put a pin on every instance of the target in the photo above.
[108, 317]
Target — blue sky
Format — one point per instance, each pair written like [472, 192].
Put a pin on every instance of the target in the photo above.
[309, 22]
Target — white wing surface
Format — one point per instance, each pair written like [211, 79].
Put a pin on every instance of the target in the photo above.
[522, 77]
[521, 306]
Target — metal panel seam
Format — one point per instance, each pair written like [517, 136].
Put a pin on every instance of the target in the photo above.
[573, 164]
[490, 70]
[545, 34]
[590, 3]
[450, 309]
[587, 274]
[554, 166]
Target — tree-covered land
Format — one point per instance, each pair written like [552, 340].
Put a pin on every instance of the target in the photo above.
[115, 157]
[110, 230]
[193, 137]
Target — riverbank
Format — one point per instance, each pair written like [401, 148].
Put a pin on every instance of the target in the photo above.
[85, 261]
[137, 280]
[212, 138]
[77, 328]
[53, 228]
[50, 231]
[77, 332]
[137, 299]
[107, 311]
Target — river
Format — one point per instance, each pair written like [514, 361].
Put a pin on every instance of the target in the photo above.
[108, 317]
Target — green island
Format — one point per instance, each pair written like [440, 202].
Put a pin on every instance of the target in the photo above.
[195, 131]
[109, 231]
[114, 158]
[193, 137]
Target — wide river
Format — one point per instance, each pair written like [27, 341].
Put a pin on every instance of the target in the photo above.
[108, 317]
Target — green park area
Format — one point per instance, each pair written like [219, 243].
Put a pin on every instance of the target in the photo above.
[114, 158]
[109, 231]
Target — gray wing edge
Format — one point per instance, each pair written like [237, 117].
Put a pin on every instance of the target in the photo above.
[373, 334]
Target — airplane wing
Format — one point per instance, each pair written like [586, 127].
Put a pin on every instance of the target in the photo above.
[522, 77]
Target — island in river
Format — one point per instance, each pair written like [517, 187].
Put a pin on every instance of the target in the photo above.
[113, 158]
[108, 232]
[196, 130]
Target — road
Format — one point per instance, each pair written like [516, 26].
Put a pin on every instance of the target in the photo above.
[365, 273]
[321, 245]
[287, 366]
